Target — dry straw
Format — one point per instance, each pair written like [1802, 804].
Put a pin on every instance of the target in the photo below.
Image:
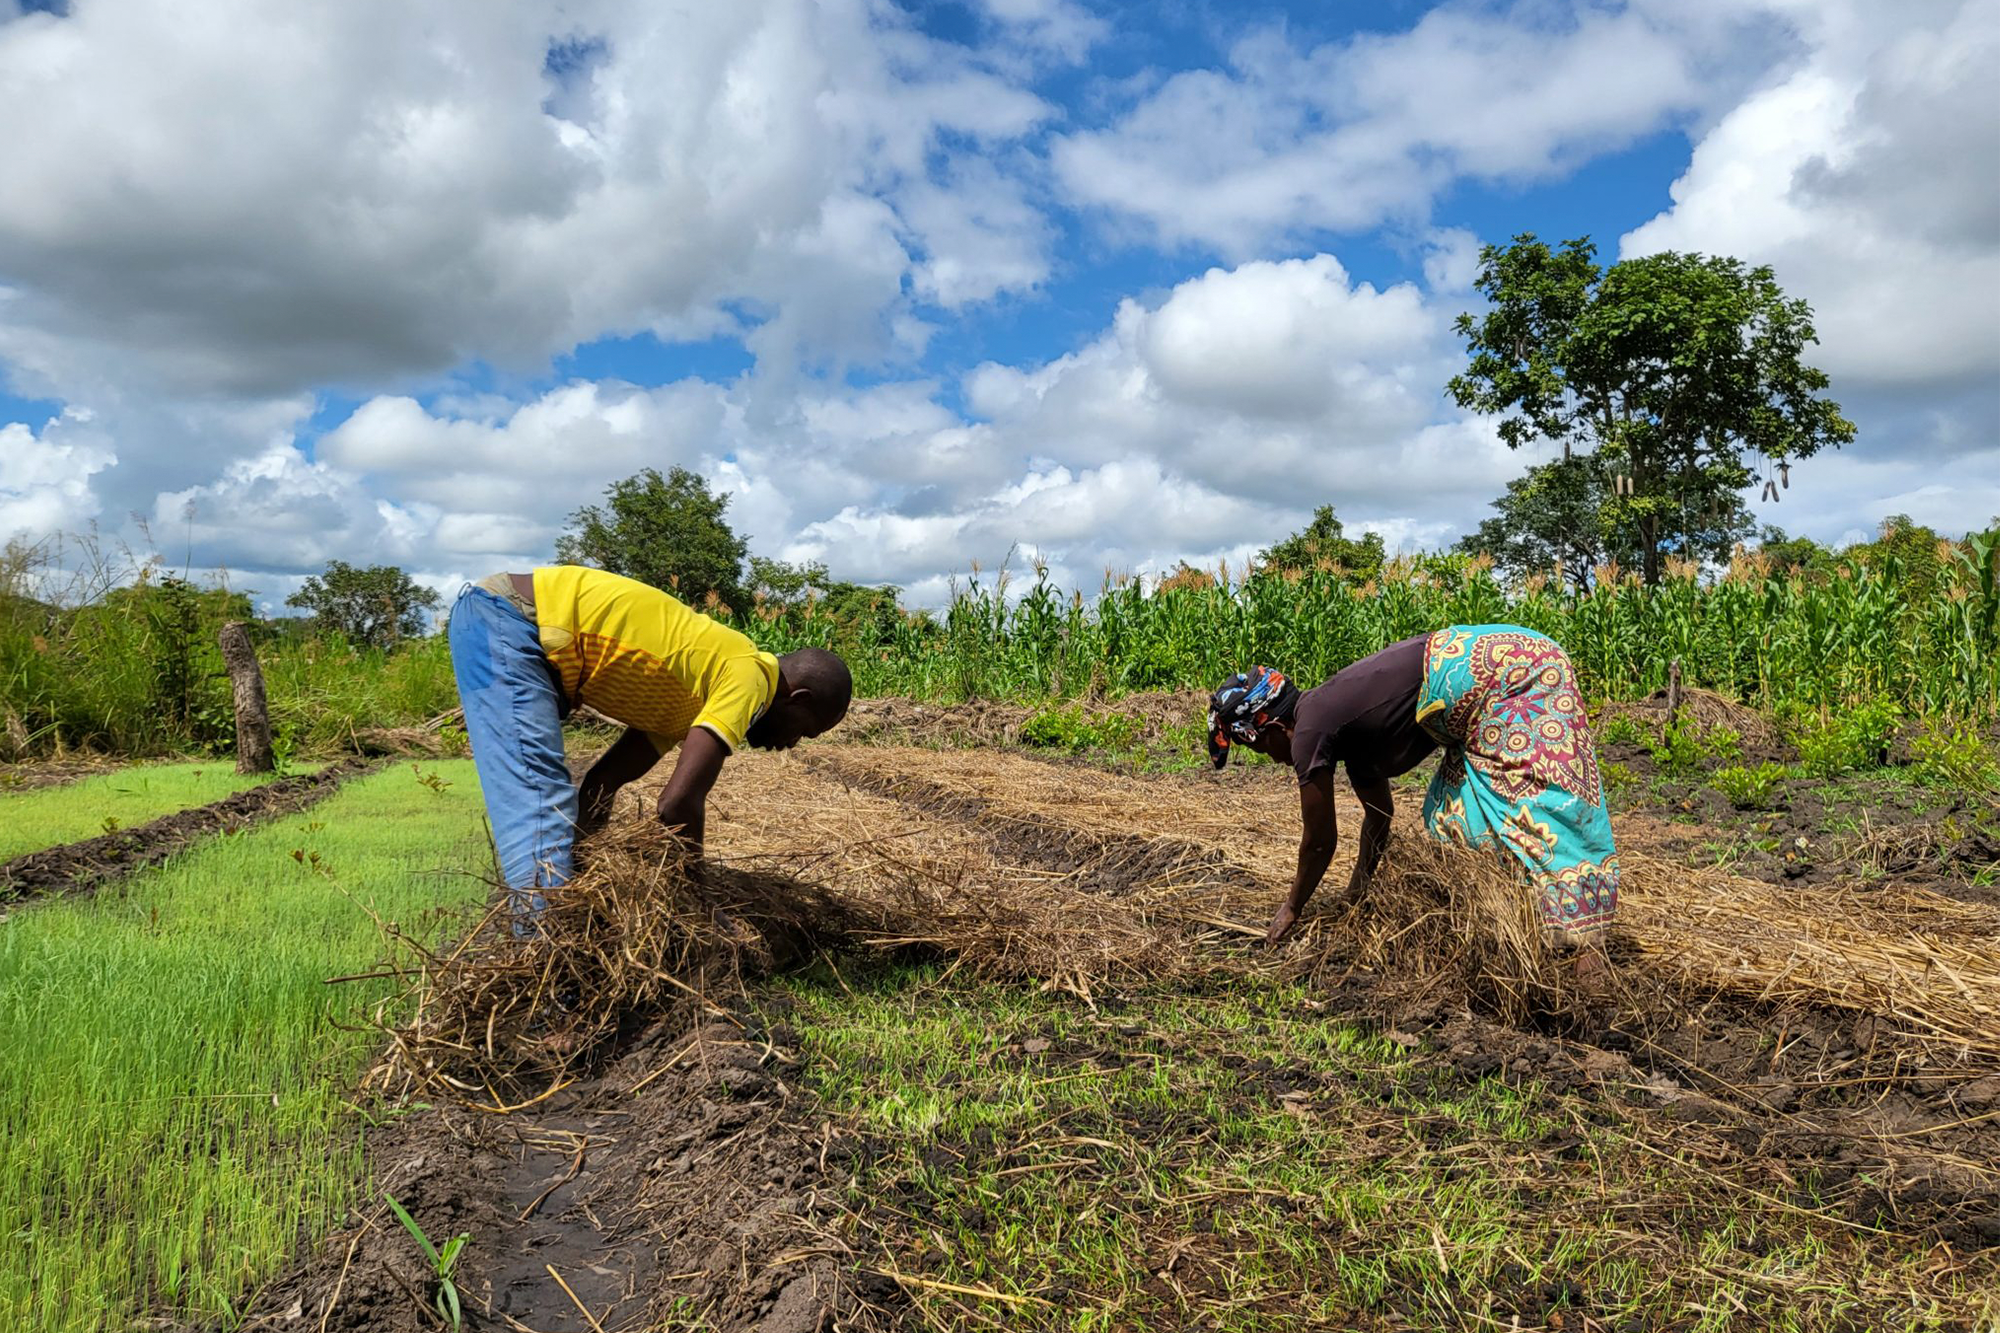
[1073, 877]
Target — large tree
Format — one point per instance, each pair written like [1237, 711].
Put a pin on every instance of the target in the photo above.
[1568, 514]
[667, 531]
[1681, 371]
[1324, 541]
[374, 607]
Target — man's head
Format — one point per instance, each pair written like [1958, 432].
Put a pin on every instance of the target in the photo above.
[813, 691]
[1252, 708]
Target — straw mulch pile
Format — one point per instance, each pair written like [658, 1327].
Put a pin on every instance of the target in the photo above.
[799, 863]
[1077, 878]
[1706, 709]
[1929, 964]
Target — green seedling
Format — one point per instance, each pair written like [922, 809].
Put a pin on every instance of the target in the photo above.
[1749, 788]
[443, 1262]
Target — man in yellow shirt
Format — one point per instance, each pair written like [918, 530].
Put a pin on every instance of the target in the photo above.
[527, 648]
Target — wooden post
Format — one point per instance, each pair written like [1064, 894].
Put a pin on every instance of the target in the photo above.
[1673, 691]
[253, 718]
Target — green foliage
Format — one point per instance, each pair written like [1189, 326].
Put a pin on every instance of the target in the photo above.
[1074, 729]
[1679, 369]
[443, 1263]
[1870, 727]
[1955, 757]
[1324, 543]
[1721, 743]
[1564, 516]
[1623, 730]
[1856, 738]
[1617, 777]
[849, 618]
[1824, 751]
[1783, 553]
[1679, 748]
[376, 607]
[1749, 788]
[176, 1078]
[668, 531]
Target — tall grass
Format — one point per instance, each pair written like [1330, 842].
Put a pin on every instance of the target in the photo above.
[173, 1074]
[119, 657]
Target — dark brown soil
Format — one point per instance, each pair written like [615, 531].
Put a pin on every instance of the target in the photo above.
[57, 772]
[80, 867]
[1855, 830]
[692, 1179]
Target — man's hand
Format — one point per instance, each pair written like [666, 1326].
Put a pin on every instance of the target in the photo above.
[683, 805]
[628, 759]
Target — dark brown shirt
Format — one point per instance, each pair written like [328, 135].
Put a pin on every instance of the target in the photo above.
[1366, 717]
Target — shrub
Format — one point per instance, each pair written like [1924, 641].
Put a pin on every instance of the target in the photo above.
[1870, 727]
[1824, 752]
[1072, 729]
[1679, 748]
[1860, 738]
[1954, 758]
[1722, 743]
[1622, 730]
[1617, 777]
[1749, 788]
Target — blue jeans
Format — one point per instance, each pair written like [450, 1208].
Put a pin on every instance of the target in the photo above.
[513, 717]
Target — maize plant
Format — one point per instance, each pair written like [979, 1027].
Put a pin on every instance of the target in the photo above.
[1781, 640]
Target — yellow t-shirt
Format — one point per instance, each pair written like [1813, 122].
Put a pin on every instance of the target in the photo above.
[637, 655]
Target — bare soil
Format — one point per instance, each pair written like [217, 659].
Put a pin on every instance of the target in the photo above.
[690, 1180]
[56, 772]
[82, 867]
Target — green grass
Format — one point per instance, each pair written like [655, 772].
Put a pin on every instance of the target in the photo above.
[173, 1081]
[1238, 1161]
[49, 816]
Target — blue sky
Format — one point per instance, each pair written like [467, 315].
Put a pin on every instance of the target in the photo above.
[1110, 286]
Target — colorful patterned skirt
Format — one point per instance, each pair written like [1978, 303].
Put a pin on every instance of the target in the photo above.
[1520, 772]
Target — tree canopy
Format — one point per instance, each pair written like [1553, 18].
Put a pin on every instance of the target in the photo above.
[666, 531]
[1566, 514]
[375, 607]
[862, 616]
[1681, 371]
[1324, 541]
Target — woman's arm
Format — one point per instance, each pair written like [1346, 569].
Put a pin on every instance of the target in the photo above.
[1319, 835]
[1378, 804]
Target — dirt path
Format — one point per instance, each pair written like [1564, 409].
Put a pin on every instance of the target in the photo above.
[81, 867]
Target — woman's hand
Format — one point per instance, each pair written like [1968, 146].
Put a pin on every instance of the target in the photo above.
[1281, 924]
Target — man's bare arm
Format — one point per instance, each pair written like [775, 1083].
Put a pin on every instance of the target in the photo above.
[684, 802]
[1318, 837]
[630, 758]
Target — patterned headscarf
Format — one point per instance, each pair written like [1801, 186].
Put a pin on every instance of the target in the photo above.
[1247, 702]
